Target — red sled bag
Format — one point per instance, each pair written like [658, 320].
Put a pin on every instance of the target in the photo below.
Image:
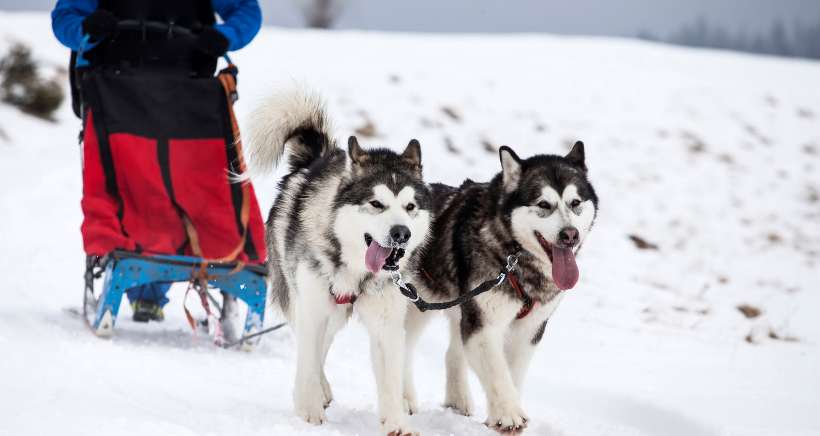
[159, 151]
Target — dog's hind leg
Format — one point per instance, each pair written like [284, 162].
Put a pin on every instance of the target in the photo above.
[312, 310]
[414, 326]
[457, 395]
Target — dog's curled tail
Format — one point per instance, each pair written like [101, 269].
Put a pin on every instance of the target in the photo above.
[294, 119]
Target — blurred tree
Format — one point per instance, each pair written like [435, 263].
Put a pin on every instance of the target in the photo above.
[807, 40]
[320, 14]
[802, 41]
[779, 40]
[647, 35]
[22, 86]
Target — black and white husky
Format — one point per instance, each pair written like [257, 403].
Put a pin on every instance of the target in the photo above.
[338, 219]
[540, 208]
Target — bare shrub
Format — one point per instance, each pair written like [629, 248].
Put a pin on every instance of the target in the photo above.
[22, 86]
[320, 14]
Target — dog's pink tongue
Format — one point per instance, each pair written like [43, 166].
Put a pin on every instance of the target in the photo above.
[564, 269]
[375, 257]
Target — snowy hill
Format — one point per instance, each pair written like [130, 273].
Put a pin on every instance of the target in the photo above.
[710, 160]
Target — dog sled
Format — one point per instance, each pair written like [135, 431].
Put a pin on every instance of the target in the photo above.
[159, 202]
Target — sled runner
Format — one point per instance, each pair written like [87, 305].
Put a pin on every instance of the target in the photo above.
[121, 270]
[159, 204]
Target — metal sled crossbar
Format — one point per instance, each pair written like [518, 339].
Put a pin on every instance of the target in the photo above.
[125, 270]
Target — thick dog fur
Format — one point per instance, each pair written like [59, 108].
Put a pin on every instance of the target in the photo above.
[476, 227]
[330, 206]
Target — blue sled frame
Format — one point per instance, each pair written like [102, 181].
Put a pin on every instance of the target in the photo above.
[122, 270]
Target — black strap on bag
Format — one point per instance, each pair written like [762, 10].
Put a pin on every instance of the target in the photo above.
[74, 82]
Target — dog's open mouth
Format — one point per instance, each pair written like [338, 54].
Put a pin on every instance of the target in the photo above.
[564, 269]
[378, 257]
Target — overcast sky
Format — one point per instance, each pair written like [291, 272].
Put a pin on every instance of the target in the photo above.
[590, 17]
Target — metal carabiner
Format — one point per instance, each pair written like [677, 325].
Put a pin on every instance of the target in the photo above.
[396, 276]
[405, 290]
[512, 262]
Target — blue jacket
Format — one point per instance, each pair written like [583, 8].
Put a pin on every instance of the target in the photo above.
[242, 19]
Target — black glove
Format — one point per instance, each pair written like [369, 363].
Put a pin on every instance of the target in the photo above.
[211, 42]
[100, 24]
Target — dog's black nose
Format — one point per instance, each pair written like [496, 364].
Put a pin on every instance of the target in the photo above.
[400, 234]
[568, 237]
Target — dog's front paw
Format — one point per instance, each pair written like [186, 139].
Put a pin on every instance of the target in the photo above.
[404, 433]
[460, 402]
[327, 393]
[411, 405]
[507, 419]
[312, 414]
[309, 404]
[397, 427]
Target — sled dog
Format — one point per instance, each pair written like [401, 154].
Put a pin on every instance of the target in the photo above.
[338, 221]
[541, 209]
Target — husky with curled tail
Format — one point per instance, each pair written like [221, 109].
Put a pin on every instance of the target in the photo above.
[541, 209]
[340, 220]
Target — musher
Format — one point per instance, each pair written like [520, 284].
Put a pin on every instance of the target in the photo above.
[108, 46]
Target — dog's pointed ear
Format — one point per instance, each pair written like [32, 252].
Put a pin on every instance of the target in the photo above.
[510, 168]
[412, 154]
[354, 150]
[576, 156]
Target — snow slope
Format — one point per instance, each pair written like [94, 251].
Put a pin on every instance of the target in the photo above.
[712, 156]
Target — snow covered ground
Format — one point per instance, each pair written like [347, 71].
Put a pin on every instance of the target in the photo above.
[713, 157]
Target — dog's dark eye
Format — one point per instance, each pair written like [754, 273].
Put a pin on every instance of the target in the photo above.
[410, 207]
[377, 204]
[544, 205]
[575, 203]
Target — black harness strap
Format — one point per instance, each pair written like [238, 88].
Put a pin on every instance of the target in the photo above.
[410, 291]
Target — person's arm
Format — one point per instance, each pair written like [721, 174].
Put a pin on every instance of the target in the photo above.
[67, 18]
[241, 21]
